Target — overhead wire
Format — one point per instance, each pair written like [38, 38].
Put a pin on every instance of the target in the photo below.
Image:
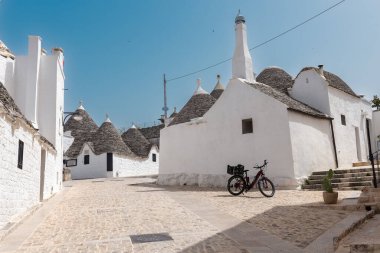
[261, 44]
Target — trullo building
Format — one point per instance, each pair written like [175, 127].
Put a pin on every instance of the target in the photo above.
[314, 121]
[31, 109]
[100, 152]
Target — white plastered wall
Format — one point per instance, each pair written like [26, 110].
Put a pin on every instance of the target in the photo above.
[350, 149]
[198, 152]
[376, 129]
[312, 89]
[311, 144]
[128, 166]
[97, 168]
[19, 188]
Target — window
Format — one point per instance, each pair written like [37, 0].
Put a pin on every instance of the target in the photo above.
[343, 119]
[109, 162]
[20, 154]
[86, 159]
[154, 157]
[247, 126]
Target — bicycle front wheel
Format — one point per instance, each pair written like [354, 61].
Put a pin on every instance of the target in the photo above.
[266, 187]
[236, 185]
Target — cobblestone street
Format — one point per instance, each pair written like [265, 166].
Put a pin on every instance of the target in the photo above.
[101, 215]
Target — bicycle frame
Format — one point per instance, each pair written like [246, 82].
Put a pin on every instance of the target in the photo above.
[258, 175]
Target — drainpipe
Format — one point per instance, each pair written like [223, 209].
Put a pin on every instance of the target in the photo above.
[334, 145]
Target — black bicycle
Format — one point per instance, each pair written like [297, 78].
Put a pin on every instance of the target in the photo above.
[239, 182]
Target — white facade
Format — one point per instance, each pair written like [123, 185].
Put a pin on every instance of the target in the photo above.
[193, 153]
[311, 87]
[376, 129]
[131, 167]
[36, 83]
[123, 166]
[295, 138]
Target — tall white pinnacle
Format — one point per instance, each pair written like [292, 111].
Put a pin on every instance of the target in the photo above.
[242, 66]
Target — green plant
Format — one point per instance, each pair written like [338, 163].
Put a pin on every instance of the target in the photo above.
[376, 102]
[327, 185]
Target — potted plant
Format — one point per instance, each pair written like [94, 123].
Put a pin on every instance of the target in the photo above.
[329, 196]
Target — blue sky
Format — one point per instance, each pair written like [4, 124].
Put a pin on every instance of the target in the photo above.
[117, 51]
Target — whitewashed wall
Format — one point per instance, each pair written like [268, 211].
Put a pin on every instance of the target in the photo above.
[53, 175]
[198, 154]
[68, 140]
[97, 168]
[312, 89]
[128, 167]
[19, 188]
[356, 111]
[376, 129]
[311, 144]
[7, 66]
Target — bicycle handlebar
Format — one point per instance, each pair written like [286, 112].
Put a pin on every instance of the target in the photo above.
[259, 167]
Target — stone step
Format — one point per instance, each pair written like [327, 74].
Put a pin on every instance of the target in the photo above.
[342, 180]
[346, 175]
[344, 171]
[352, 188]
[340, 185]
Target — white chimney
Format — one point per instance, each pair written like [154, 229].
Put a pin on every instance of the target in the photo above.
[31, 88]
[242, 66]
[59, 52]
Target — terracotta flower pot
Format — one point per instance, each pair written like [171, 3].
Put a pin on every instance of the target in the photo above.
[330, 197]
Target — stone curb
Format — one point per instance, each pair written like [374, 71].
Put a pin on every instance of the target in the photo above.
[351, 228]
[13, 225]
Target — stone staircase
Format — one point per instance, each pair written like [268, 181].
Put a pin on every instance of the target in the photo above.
[346, 179]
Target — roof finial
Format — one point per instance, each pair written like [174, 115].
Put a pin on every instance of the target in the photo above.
[175, 110]
[239, 18]
[81, 105]
[107, 118]
[199, 89]
[218, 85]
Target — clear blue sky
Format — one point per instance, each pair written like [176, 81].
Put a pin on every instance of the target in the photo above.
[117, 51]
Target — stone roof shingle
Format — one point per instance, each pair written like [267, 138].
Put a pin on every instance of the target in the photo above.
[77, 127]
[196, 107]
[152, 132]
[334, 81]
[277, 78]
[108, 140]
[136, 141]
[291, 103]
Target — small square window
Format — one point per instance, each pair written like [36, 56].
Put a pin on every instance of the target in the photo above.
[343, 119]
[154, 157]
[86, 159]
[247, 126]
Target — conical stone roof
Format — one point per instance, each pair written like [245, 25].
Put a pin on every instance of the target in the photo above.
[77, 126]
[107, 140]
[218, 89]
[136, 141]
[196, 107]
[277, 78]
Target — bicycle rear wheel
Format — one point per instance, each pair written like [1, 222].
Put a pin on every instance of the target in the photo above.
[266, 187]
[236, 185]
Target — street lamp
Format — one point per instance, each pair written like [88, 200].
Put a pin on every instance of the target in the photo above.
[75, 115]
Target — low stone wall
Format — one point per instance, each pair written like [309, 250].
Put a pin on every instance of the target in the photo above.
[214, 180]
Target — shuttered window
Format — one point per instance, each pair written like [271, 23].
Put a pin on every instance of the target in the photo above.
[20, 154]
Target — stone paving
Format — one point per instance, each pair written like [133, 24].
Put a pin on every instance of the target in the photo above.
[100, 215]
